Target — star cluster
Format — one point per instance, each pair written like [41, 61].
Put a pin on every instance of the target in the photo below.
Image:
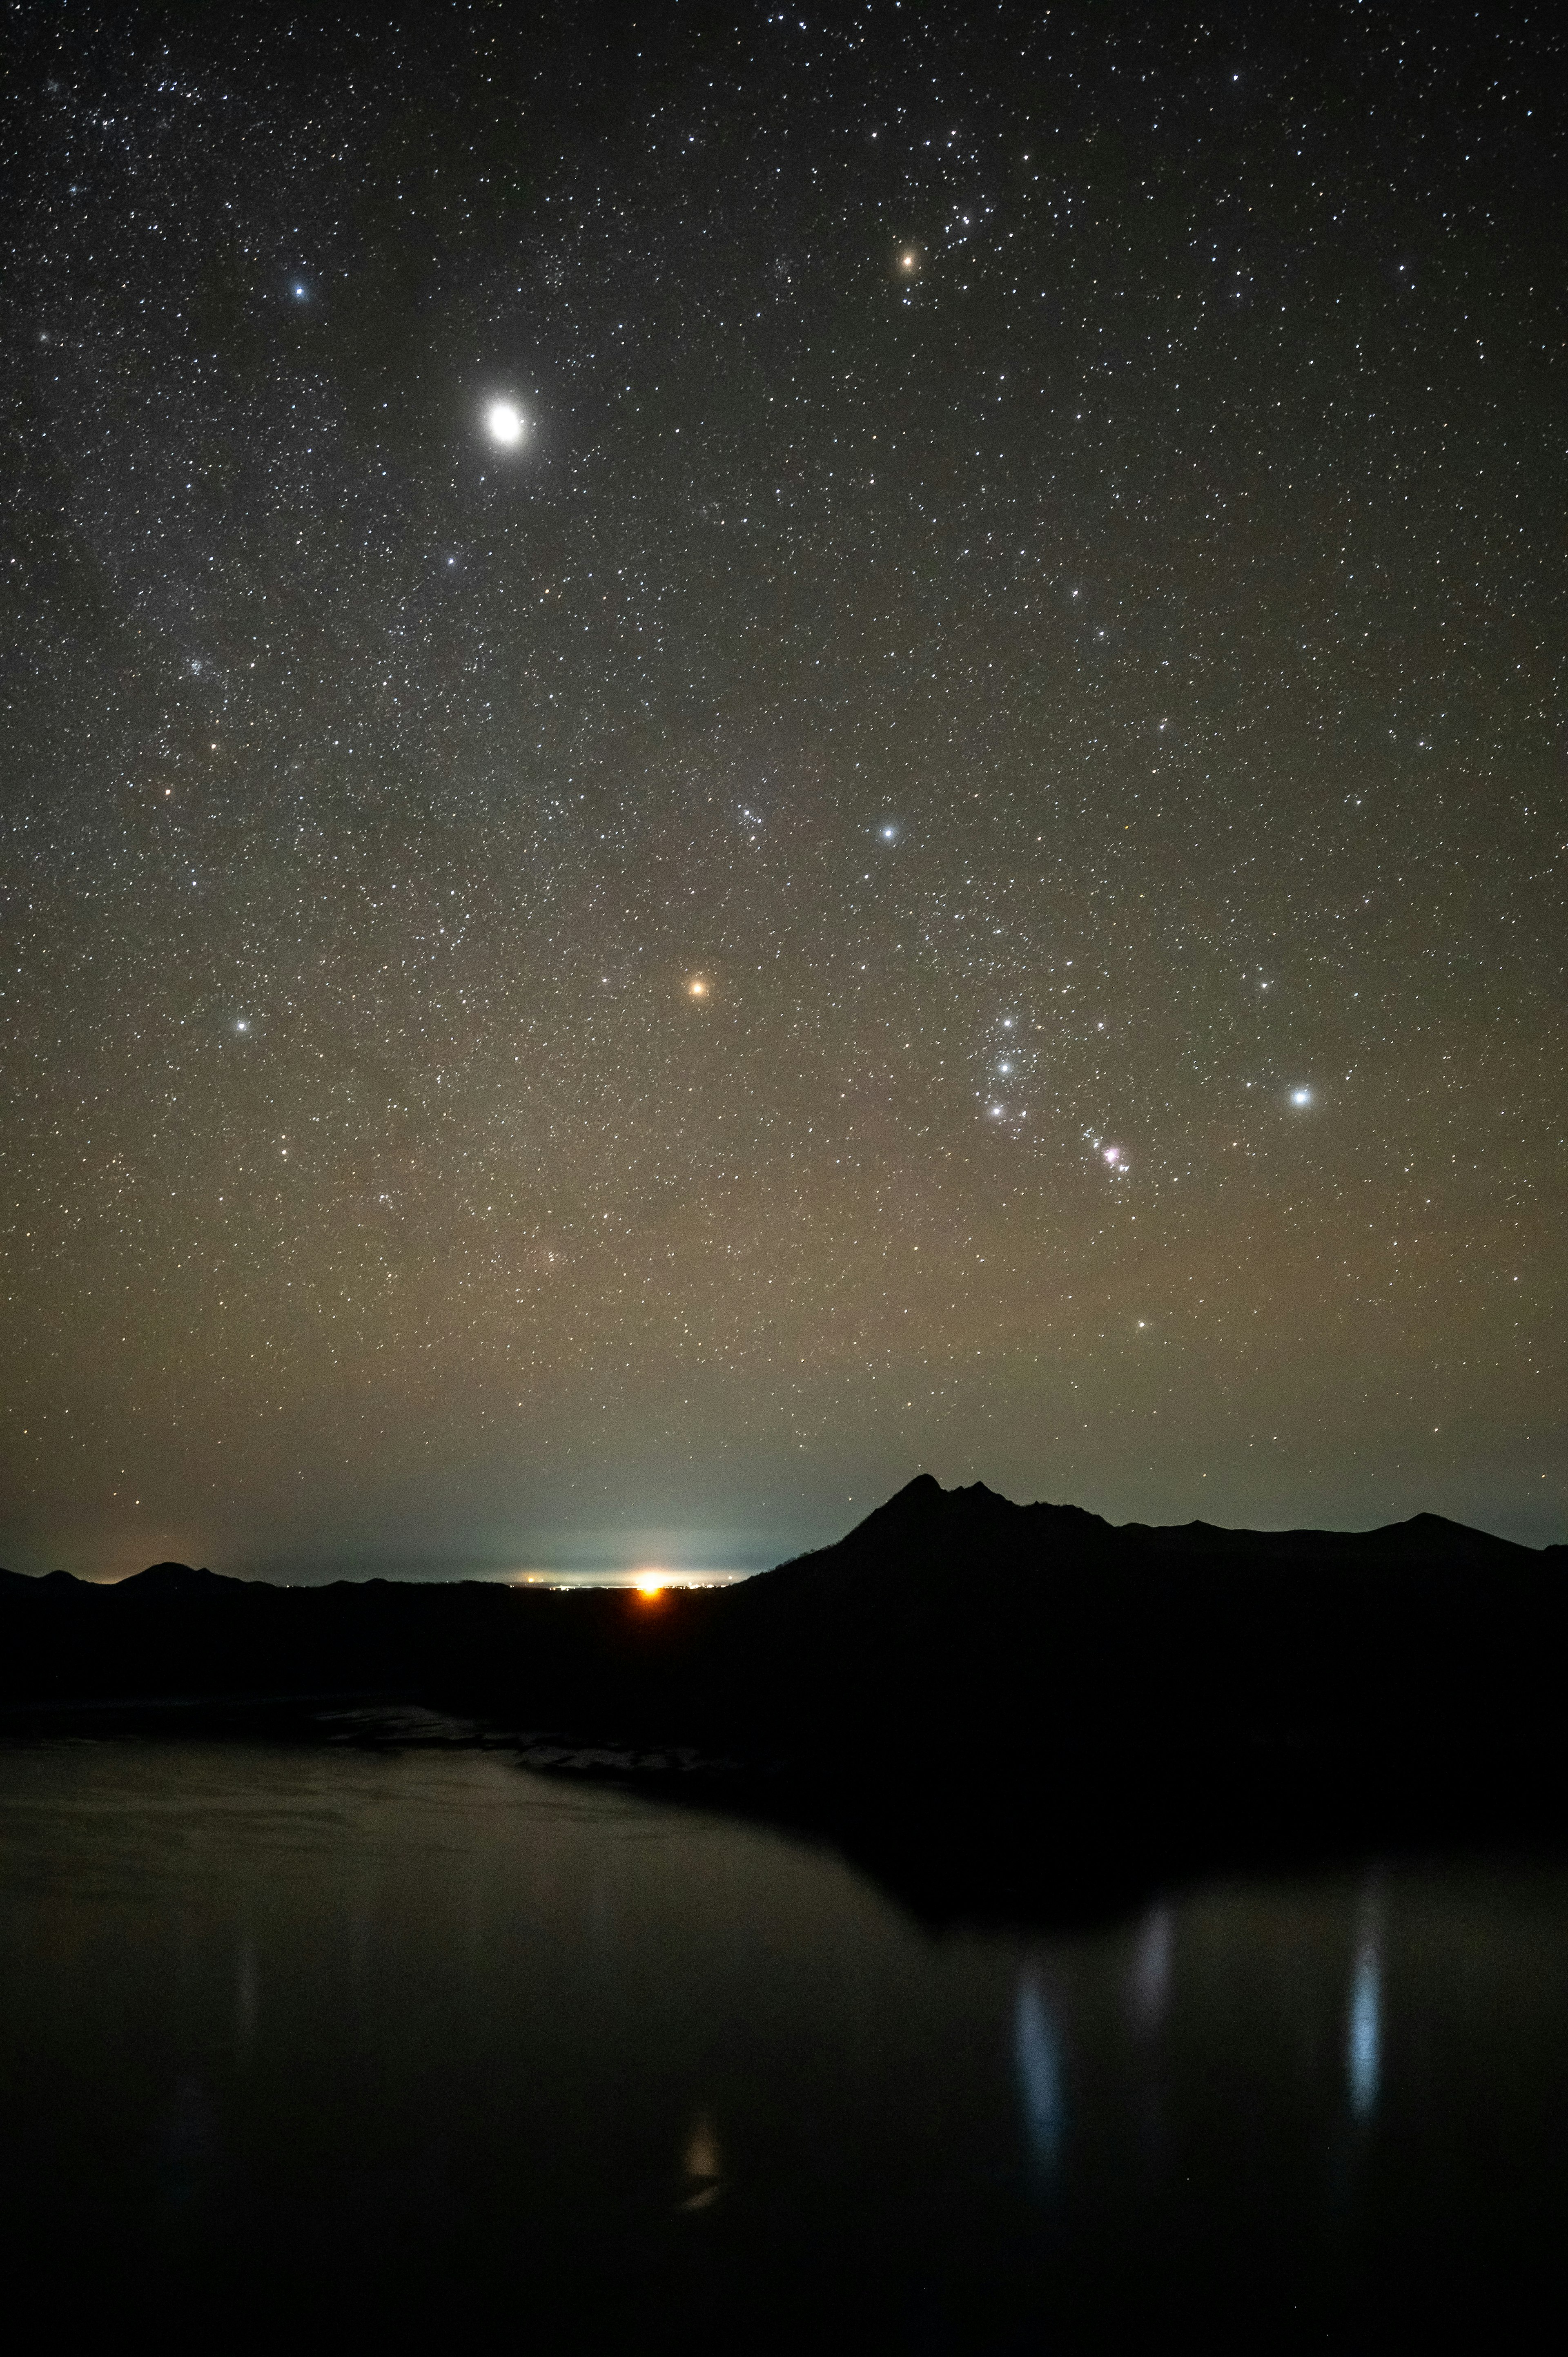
[742, 751]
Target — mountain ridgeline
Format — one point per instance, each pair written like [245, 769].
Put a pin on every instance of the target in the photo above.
[949, 1624]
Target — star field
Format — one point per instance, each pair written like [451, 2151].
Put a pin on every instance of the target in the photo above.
[744, 750]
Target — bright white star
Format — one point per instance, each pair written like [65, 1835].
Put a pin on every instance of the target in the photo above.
[505, 425]
[1301, 1096]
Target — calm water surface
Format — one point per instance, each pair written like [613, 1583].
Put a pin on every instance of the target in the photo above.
[423, 2041]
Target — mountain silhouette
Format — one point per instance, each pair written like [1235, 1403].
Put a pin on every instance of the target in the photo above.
[1036, 1628]
[981, 1701]
[50, 1583]
[164, 1581]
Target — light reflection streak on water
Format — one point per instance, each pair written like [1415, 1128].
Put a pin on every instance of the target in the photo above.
[1036, 2054]
[1150, 1978]
[247, 1991]
[1363, 2044]
[704, 2168]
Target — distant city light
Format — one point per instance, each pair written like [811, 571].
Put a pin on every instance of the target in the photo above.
[649, 1582]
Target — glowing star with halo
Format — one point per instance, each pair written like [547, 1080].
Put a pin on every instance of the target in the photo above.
[696, 987]
[505, 425]
[1301, 1096]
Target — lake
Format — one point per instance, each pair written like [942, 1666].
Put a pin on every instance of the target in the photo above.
[301, 2038]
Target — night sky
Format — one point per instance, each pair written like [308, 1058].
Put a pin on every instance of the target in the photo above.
[949, 854]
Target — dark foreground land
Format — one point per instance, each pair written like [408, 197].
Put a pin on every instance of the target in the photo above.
[1152, 1702]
